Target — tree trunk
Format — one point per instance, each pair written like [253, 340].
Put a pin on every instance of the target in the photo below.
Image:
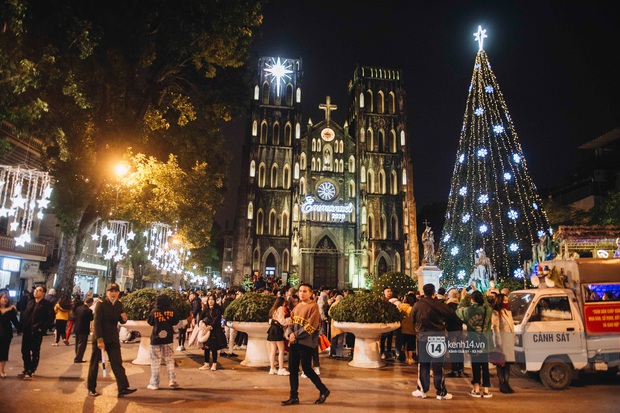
[72, 246]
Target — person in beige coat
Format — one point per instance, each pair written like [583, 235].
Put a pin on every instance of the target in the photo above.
[337, 335]
[503, 328]
[407, 328]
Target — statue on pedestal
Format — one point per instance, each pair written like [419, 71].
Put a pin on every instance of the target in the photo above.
[428, 241]
[483, 271]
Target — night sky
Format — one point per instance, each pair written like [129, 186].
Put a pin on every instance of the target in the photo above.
[554, 61]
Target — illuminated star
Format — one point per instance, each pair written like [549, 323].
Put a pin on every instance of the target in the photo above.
[131, 235]
[18, 201]
[13, 225]
[278, 72]
[43, 203]
[99, 250]
[480, 35]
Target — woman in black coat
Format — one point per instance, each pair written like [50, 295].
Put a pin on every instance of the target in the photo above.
[211, 316]
[8, 316]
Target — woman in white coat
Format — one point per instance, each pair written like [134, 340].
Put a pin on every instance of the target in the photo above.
[503, 328]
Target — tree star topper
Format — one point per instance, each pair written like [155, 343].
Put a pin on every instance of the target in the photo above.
[279, 71]
[480, 35]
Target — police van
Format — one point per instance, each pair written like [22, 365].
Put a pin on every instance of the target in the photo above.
[571, 322]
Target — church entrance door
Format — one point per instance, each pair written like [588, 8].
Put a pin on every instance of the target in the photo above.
[326, 264]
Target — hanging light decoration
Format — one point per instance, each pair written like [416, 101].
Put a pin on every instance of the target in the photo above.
[112, 237]
[24, 194]
[163, 252]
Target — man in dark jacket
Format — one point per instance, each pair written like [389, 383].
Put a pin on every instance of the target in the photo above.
[108, 313]
[163, 318]
[430, 316]
[35, 322]
[81, 326]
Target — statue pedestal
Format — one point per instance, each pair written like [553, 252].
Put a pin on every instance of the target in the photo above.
[428, 274]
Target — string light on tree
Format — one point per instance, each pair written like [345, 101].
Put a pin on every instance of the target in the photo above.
[491, 200]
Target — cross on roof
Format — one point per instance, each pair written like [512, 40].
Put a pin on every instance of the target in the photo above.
[327, 107]
[425, 222]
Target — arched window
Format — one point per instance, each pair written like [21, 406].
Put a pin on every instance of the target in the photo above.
[394, 183]
[380, 102]
[297, 131]
[296, 172]
[286, 177]
[302, 161]
[370, 143]
[383, 227]
[361, 100]
[298, 97]
[262, 175]
[341, 147]
[274, 175]
[394, 231]
[370, 100]
[263, 132]
[363, 175]
[256, 92]
[313, 145]
[382, 186]
[341, 165]
[266, 93]
[288, 133]
[397, 262]
[362, 135]
[371, 226]
[289, 95]
[382, 145]
[371, 181]
[351, 164]
[260, 222]
[275, 139]
[302, 187]
[392, 103]
[256, 259]
[404, 177]
[318, 145]
[313, 165]
[364, 215]
[402, 138]
[393, 141]
[284, 222]
[250, 210]
[254, 128]
[319, 164]
[252, 169]
[273, 223]
[351, 189]
[285, 260]
[296, 212]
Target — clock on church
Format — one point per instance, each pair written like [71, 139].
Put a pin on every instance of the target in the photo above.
[328, 134]
[326, 190]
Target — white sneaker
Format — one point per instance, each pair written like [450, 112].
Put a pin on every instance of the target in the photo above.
[236, 347]
[317, 371]
[303, 375]
[383, 356]
[180, 348]
[173, 384]
[419, 394]
[214, 367]
[243, 347]
[204, 367]
[152, 387]
[447, 396]
[283, 372]
[273, 371]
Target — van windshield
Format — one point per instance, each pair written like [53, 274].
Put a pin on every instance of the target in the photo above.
[518, 303]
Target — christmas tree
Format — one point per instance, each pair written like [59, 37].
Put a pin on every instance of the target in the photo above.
[493, 205]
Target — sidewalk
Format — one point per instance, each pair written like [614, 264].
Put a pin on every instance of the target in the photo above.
[60, 386]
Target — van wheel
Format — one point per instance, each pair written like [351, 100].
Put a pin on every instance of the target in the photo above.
[556, 374]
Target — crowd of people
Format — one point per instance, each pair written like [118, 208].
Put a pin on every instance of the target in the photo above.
[298, 319]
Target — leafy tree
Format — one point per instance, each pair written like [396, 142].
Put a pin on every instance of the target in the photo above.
[96, 78]
[608, 211]
[399, 282]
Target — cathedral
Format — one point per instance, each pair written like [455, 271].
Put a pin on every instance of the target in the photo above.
[325, 203]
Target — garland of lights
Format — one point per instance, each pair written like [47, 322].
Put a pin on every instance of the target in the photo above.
[493, 204]
[22, 193]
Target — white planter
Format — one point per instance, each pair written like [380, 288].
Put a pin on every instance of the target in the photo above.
[367, 352]
[257, 353]
[144, 351]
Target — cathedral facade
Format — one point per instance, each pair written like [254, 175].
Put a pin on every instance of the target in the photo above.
[325, 203]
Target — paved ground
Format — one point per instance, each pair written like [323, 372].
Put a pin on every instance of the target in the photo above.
[59, 386]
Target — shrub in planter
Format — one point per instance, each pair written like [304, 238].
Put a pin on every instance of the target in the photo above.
[139, 303]
[365, 308]
[250, 307]
[399, 282]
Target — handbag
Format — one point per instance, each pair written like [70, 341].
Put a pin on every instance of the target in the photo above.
[323, 342]
[497, 357]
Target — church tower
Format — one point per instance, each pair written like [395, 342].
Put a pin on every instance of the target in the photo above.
[377, 119]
